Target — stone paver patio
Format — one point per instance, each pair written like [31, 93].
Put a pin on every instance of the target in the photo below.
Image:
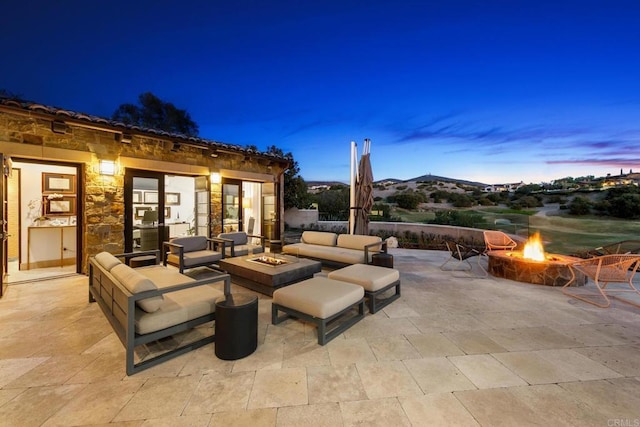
[453, 350]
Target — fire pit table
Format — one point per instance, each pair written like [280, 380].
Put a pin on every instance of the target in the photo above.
[532, 265]
[268, 272]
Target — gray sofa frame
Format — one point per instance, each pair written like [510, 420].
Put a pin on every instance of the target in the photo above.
[119, 307]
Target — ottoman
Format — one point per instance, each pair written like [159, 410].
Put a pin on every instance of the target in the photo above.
[374, 279]
[329, 304]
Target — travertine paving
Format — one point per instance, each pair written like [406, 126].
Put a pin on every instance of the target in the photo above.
[453, 350]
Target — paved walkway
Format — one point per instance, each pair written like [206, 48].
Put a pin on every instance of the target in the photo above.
[452, 351]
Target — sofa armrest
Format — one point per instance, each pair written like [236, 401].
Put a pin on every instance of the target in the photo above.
[230, 243]
[383, 249]
[128, 255]
[217, 244]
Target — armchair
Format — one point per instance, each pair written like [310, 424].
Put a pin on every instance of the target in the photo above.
[603, 270]
[239, 243]
[193, 251]
[498, 241]
[461, 254]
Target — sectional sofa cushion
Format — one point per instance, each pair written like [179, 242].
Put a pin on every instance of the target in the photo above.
[107, 260]
[136, 283]
[190, 243]
[321, 238]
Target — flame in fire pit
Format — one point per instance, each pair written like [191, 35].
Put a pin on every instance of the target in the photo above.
[533, 248]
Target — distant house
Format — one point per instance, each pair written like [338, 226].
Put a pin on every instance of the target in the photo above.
[501, 188]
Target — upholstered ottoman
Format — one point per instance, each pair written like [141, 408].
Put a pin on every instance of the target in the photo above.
[322, 301]
[374, 279]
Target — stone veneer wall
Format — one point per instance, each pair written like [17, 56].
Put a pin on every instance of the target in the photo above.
[103, 196]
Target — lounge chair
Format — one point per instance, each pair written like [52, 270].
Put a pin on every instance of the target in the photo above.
[603, 270]
[498, 241]
[461, 254]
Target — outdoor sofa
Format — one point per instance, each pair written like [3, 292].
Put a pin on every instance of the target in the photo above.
[149, 303]
[340, 249]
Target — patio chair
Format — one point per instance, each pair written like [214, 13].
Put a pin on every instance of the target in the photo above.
[498, 241]
[622, 247]
[461, 254]
[603, 270]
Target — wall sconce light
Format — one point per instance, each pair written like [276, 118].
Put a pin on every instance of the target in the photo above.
[215, 178]
[107, 167]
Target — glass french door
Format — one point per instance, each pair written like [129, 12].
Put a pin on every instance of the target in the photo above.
[231, 209]
[144, 211]
[4, 229]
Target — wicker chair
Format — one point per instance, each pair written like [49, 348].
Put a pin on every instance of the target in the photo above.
[461, 254]
[603, 270]
[498, 241]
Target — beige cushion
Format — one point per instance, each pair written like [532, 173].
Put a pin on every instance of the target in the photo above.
[319, 297]
[178, 307]
[196, 258]
[136, 283]
[355, 241]
[163, 277]
[107, 260]
[319, 238]
[370, 277]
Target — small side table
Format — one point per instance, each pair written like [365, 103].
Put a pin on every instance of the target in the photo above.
[275, 246]
[382, 260]
[142, 260]
[236, 326]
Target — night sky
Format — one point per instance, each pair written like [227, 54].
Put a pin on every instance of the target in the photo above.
[489, 91]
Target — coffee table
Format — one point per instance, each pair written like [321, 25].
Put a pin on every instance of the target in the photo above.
[265, 278]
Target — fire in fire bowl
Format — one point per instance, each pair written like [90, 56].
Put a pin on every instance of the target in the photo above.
[269, 260]
[548, 269]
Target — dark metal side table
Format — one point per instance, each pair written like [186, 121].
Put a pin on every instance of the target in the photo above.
[236, 326]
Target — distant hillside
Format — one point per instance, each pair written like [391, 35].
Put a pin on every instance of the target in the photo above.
[445, 179]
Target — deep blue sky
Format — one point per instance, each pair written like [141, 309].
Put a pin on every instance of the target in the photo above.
[484, 90]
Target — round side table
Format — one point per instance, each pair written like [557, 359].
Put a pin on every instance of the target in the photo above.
[236, 326]
[382, 260]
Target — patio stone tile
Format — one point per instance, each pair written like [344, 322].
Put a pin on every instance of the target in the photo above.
[53, 371]
[279, 387]
[436, 410]
[346, 352]
[202, 420]
[535, 338]
[334, 384]
[387, 379]
[474, 342]
[437, 375]
[555, 406]
[375, 326]
[378, 412]
[98, 402]
[533, 368]
[578, 365]
[106, 367]
[291, 330]
[35, 405]
[508, 319]
[266, 356]
[10, 369]
[204, 360]
[616, 399]
[622, 359]
[434, 345]
[628, 333]
[159, 398]
[485, 371]
[590, 335]
[392, 348]
[305, 354]
[219, 392]
[8, 394]
[254, 417]
[400, 309]
[325, 414]
[499, 407]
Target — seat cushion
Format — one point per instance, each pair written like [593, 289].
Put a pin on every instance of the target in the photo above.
[107, 260]
[136, 283]
[370, 277]
[163, 277]
[196, 258]
[319, 297]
